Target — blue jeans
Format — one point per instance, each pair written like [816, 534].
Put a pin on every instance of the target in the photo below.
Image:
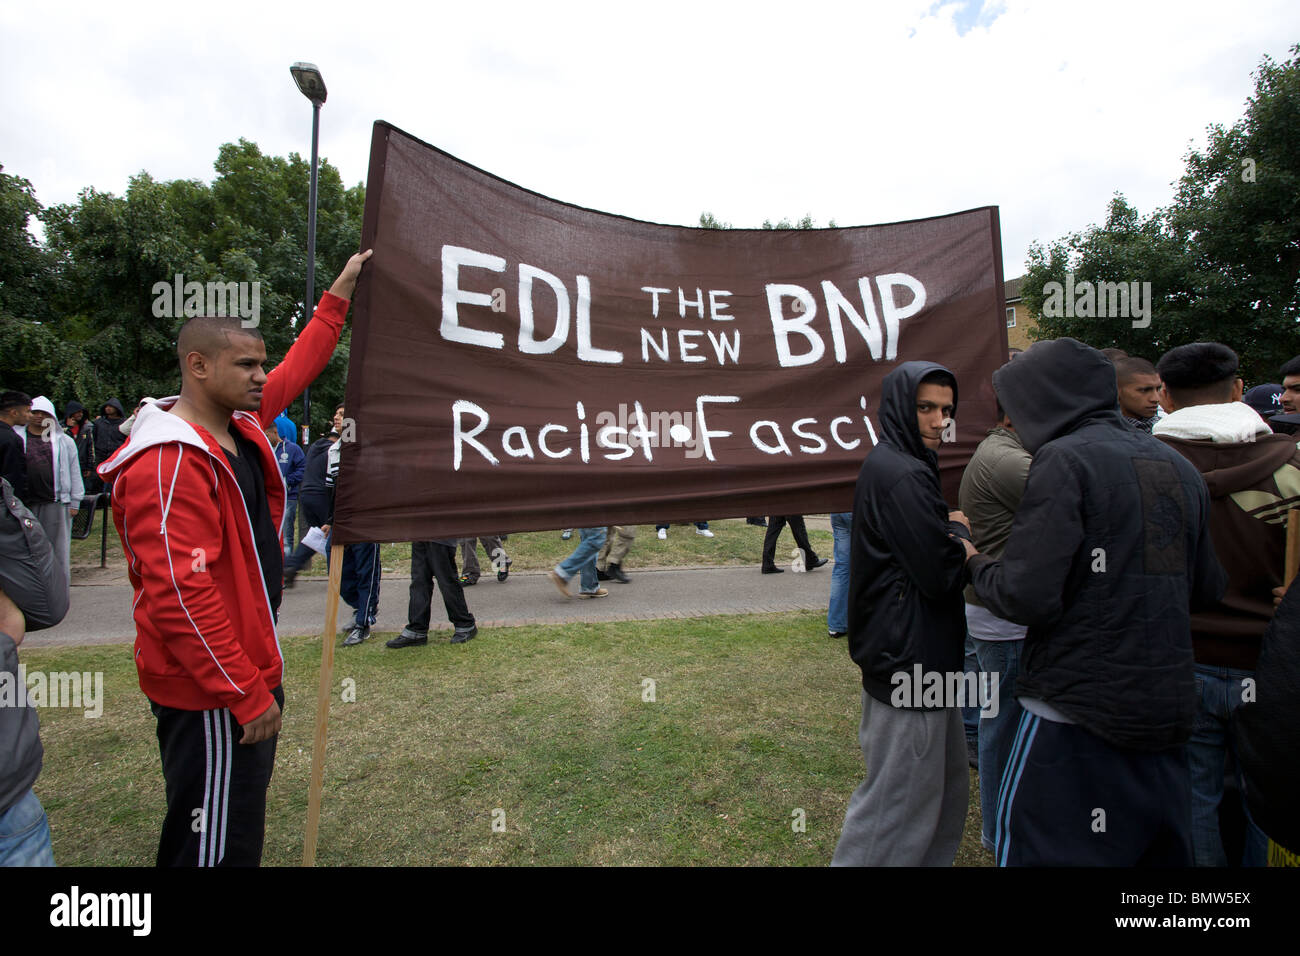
[997, 733]
[1220, 690]
[970, 716]
[25, 834]
[837, 614]
[583, 559]
[286, 526]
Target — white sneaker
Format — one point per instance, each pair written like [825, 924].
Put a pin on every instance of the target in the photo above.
[704, 532]
[663, 534]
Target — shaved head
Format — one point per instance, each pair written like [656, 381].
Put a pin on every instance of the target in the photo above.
[221, 365]
[1130, 367]
[210, 335]
[1138, 386]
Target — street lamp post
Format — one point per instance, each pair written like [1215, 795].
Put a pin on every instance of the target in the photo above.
[312, 86]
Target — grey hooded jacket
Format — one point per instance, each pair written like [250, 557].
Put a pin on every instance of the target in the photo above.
[30, 577]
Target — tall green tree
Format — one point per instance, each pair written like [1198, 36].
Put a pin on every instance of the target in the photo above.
[24, 264]
[28, 346]
[260, 212]
[1222, 260]
[78, 316]
[709, 221]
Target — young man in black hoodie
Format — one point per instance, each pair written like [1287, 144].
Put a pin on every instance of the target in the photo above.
[77, 426]
[1110, 546]
[907, 615]
[106, 437]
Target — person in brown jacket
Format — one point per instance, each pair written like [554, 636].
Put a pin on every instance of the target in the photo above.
[1254, 478]
[991, 489]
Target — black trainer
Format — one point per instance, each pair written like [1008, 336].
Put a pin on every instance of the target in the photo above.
[408, 638]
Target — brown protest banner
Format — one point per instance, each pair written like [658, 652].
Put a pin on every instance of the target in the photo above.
[522, 364]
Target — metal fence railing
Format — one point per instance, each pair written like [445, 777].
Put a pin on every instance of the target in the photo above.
[83, 522]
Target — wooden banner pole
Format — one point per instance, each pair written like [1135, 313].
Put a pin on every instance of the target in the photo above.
[323, 693]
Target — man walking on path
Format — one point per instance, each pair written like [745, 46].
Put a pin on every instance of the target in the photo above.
[198, 500]
[432, 560]
[581, 562]
[494, 547]
[618, 542]
[775, 523]
[907, 619]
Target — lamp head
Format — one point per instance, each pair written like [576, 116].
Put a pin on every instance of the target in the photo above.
[310, 82]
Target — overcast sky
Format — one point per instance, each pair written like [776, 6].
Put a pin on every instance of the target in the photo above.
[863, 112]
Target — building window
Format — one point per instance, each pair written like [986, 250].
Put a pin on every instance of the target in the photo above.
[1011, 316]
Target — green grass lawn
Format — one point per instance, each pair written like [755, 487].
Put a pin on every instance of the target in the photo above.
[733, 543]
[544, 730]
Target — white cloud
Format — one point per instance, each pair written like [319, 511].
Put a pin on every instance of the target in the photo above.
[861, 113]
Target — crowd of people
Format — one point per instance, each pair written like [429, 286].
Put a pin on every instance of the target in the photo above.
[1101, 627]
[1117, 561]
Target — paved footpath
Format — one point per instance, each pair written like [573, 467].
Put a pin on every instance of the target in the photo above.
[101, 613]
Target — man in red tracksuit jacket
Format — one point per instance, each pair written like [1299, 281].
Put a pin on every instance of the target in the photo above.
[198, 499]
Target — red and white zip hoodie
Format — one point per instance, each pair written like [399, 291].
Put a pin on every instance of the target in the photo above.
[205, 636]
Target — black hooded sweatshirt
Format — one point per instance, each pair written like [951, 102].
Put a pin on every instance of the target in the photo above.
[1268, 727]
[108, 437]
[71, 409]
[1109, 549]
[905, 570]
[82, 436]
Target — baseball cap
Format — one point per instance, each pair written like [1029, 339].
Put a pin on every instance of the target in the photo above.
[1265, 399]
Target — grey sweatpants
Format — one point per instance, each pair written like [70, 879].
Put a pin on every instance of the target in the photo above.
[911, 808]
[56, 519]
[469, 557]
